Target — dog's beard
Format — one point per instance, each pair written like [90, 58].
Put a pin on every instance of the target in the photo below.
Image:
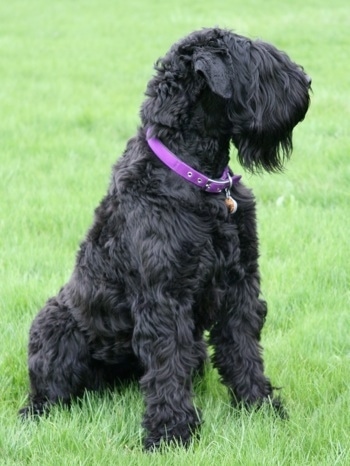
[258, 152]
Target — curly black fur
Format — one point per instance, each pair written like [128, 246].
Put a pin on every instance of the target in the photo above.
[164, 261]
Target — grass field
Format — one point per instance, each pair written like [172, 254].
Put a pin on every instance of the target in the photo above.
[72, 77]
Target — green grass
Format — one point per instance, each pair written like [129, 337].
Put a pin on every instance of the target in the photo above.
[72, 79]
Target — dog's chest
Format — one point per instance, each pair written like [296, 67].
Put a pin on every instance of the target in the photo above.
[219, 264]
[221, 248]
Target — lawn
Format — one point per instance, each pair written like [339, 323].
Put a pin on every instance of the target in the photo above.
[72, 77]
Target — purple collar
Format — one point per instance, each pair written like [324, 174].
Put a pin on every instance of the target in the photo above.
[189, 173]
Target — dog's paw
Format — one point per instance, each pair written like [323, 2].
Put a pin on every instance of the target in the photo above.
[268, 402]
[181, 437]
[176, 433]
[279, 408]
[33, 410]
[27, 412]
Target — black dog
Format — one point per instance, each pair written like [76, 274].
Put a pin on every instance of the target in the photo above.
[168, 258]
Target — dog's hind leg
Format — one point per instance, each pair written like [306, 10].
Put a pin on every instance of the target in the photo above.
[60, 367]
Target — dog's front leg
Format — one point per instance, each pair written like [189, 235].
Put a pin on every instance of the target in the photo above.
[237, 351]
[163, 341]
[236, 335]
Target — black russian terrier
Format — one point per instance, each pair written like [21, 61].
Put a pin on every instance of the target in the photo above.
[173, 249]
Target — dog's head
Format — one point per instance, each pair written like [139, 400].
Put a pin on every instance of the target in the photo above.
[219, 84]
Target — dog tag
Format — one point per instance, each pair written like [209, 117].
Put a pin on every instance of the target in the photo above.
[230, 203]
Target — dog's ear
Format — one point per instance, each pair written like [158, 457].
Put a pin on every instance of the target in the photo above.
[214, 68]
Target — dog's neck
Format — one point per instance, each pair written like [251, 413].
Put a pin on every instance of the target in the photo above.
[189, 173]
[207, 154]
